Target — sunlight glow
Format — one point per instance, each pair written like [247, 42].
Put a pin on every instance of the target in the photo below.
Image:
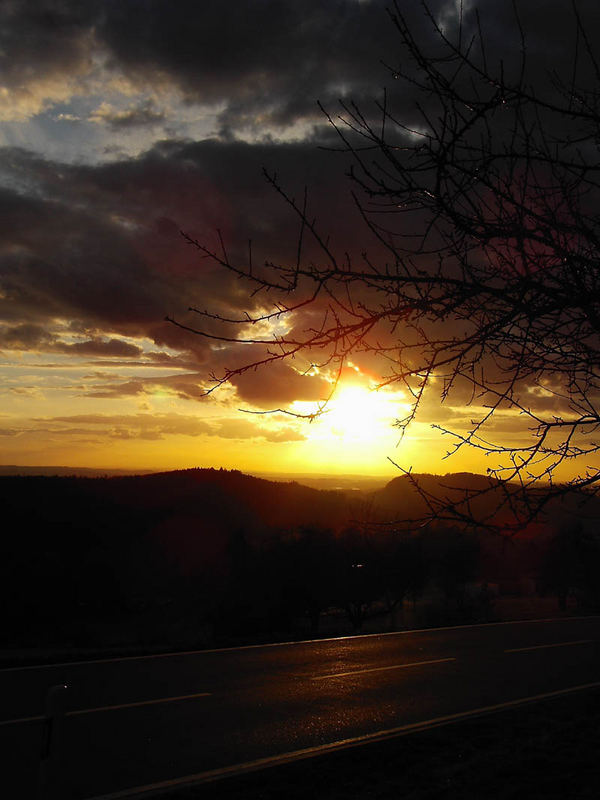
[359, 414]
[355, 432]
[355, 414]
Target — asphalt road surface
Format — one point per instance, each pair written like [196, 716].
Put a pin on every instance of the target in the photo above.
[141, 721]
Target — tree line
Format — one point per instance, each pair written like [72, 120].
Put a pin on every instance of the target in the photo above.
[82, 567]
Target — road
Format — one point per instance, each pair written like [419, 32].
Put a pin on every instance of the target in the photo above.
[138, 721]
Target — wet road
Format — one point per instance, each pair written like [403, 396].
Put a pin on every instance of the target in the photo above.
[134, 722]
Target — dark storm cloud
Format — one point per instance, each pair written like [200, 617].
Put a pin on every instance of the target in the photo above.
[260, 60]
[43, 45]
[267, 61]
[100, 246]
[61, 256]
[263, 63]
[80, 244]
[270, 61]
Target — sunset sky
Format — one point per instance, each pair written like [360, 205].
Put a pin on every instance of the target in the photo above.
[124, 123]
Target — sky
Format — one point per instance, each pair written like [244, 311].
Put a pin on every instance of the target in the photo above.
[123, 124]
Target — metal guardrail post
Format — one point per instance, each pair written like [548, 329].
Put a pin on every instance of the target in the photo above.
[49, 787]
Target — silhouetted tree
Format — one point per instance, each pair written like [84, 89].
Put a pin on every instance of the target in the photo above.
[572, 566]
[457, 563]
[298, 571]
[484, 278]
[314, 556]
[356, 581]
[401, 570]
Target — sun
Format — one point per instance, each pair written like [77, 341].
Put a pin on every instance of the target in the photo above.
[357, 414]
[355, 430]
[354, 433]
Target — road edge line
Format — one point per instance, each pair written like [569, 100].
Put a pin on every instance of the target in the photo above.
[180, 653]
[188, 781]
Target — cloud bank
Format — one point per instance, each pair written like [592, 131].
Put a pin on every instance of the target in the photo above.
[127, 123]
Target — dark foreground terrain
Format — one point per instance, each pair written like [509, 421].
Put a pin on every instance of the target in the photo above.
[137, 727]
[542, 750]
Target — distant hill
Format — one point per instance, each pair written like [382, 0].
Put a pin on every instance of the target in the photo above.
[187, 506]
[81, 472]
[230, 497]
[415, 496]
[225, 498]
[481, 499]
[200, 504]
[342, 482]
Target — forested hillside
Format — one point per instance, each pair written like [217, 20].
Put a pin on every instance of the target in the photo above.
[205, 557]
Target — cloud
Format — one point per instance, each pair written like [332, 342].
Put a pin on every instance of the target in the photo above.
[266, 62]
[278, 384]
[184, 387]
[236, 428]
[153, 427]
[143, 114]
[67, 118]
[45, 50]
[261, 64]
[91, 261]
[100, 347]
[97, 245]
[95, 252]
[27, 336]
[263, 61]
[145, 426]
[26, 391]
[24, 336]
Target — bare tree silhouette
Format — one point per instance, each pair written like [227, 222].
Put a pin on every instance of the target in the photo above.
[485, 277]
